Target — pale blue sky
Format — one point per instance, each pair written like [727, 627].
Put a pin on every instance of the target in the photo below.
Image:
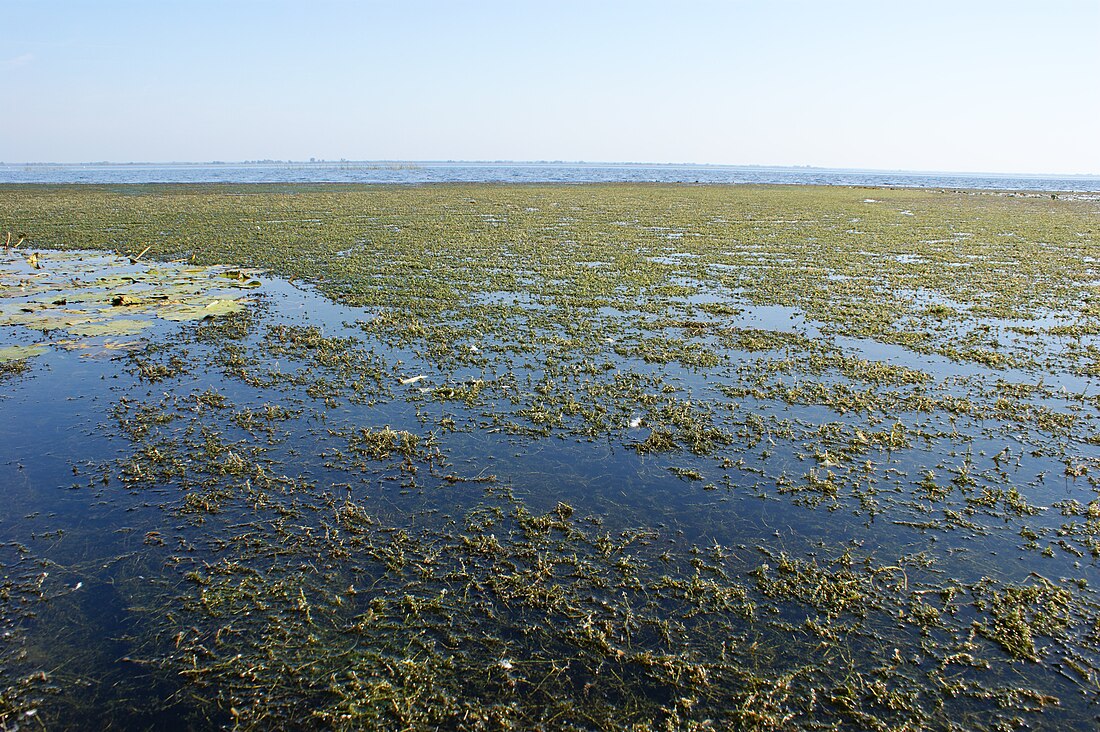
[967, 85]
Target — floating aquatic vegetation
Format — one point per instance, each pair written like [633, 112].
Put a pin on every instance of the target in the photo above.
[92, 297]
[597, 457]
[18, 353]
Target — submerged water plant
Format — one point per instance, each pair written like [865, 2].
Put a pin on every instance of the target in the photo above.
[539, 457]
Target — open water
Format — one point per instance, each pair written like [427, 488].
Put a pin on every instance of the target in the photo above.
[466, 172]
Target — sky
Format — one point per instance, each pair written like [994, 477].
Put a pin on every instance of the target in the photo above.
[1001, 86]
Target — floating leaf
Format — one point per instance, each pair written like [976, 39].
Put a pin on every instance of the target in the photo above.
[85, 293]
[18, 353]
[113, 327]
[112, 282]
[124, 300]
[199, 311]
[240, 278]
[99, 349]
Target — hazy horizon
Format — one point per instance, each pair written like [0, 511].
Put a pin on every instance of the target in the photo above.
[521, 163]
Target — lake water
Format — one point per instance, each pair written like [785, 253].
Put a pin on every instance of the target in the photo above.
[572, 498]
[464, 172]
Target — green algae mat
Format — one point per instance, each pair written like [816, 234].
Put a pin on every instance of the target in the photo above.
[590, 457]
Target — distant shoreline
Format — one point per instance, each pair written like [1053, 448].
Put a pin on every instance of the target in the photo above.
[538, 164]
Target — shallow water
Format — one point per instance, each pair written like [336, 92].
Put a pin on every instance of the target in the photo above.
[119, 623]
[758, 484]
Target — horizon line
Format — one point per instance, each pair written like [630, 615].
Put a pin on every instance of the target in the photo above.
[556, 162]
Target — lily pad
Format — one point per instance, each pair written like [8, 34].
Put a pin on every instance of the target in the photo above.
[199, 311]
[94, 296]
[18, 353]
[98, 347]
[113, 327]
